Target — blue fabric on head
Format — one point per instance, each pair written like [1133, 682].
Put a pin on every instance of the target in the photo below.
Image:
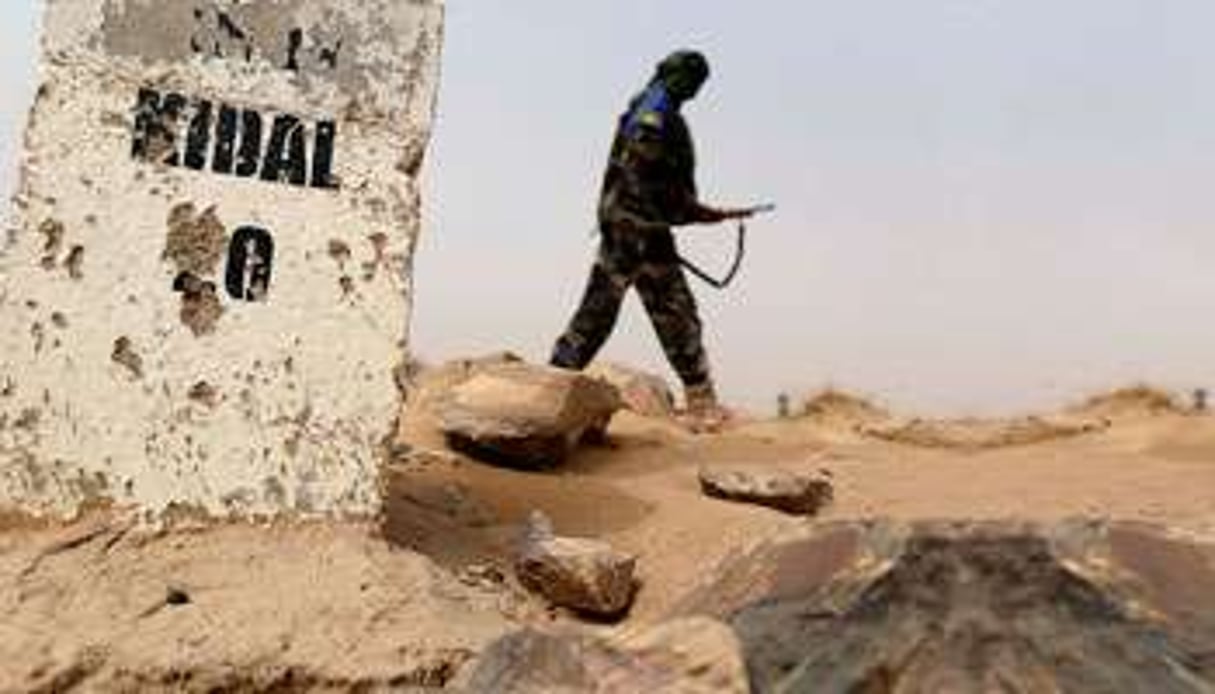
[654, 100]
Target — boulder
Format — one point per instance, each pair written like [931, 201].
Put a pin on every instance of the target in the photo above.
[525, 416]
[580, 574]
[691, 654]
[799, 493]
[531, 661]
[686, 656]
[886, 606]
[644, 393]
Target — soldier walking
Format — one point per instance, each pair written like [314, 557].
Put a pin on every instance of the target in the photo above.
[648, 188]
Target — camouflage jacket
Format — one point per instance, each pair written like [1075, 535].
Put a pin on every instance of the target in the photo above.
[650, 177]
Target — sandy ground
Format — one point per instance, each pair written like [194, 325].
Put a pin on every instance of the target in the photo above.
[412, 599]
[643, 495]
[1137, 463]
[103, 606]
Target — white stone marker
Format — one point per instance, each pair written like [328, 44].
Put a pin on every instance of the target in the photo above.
[207, 286]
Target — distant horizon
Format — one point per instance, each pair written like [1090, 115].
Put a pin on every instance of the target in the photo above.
[983, 208]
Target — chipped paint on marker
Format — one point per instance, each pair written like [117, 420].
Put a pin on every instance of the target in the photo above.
[191, 173]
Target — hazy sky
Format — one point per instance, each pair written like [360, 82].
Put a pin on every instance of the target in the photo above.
[984, 205]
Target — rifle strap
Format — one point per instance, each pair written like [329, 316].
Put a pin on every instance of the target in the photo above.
[739, 253]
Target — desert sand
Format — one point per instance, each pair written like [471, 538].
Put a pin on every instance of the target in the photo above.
[411, 599]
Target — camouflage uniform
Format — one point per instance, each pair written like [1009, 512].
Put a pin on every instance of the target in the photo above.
[649, 186]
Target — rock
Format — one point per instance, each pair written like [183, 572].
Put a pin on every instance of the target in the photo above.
[968, 607]
[687, 656]
[584, 575]
[530, 660]
[176, 596]
[693, 654]
[644, 393]
[525, 416]
[798, 493]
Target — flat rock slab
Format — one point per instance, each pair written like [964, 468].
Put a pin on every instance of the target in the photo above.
[799, 493]
[525, 416]
[1077, 607]
[687, 656]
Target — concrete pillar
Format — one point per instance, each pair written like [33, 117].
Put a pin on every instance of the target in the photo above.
[208, 284]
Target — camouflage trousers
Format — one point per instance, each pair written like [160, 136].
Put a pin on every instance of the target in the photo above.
[646, 260]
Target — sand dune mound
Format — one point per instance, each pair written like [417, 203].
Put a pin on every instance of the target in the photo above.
[1130, 402]
[839, 410]
[980, 434]
[832, 407]
[836, 409]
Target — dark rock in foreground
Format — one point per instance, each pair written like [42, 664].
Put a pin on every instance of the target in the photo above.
[935, 607]
[696, 655]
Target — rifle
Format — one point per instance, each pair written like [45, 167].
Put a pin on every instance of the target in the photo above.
[748, 212]
[741, 214]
